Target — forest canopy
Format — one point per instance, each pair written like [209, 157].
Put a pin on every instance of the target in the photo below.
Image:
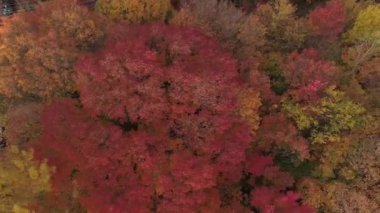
[206, 106]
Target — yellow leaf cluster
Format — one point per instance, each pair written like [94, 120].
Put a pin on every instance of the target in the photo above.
[367, 26]
[135, 11]
[332, 155]
[250, 103]
[285, 31]
[283, 10]
[23, 181]
[331, 116]
[353, 9]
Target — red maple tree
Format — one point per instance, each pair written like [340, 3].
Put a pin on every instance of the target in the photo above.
[328, 21]
[156, 129]
[308, 75]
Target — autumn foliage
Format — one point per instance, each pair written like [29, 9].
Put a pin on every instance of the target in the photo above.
[23, 180]
[154, 170]
[39, 49]
[135, 11]
[308, 75]
[166, 75]
[189, 106]
[328, 21]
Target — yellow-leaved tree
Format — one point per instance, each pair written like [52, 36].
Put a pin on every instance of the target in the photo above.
[23, 180]
[367, 26]
[365, 37]
[285, 30]
[330, 124]
[135, 11]
[250, 103]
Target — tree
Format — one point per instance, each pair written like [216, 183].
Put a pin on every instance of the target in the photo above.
[285, 31]
[308, 75]
[276, 131]
[335, 197]
[23, 126]
[366, 26]
[368, 77]
[249, 107]
[273, 67]
[363, 158]
[328, 124]
[364, 37]
[328, 21]
[139, 170]
[353, 9]
[165, 78]
[159, 131]
[331, 116]
[251, 37]
[24, 181]
[269, 183]
[40, 48]
[219, 18]
[269, 200]
[135, 11]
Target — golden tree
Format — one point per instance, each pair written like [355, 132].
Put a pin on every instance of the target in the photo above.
[23, 181]
[135, 11]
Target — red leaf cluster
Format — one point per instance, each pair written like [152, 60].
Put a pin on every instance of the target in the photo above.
[187, 151]
[150, 73]
[268, 195]
[329, 20]
[308, 75]
[189, 143]
[139, 170]
[276, 131]
[270, 201]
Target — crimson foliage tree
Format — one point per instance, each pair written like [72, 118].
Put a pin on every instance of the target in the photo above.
[328, 21]
[149, 171]
[308, 75]
[141, 171]
[157, 74]
[157, 129]
[269, 187]
[276, 131]
[186, 144]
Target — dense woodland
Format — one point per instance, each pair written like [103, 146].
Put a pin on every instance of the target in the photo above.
[204, 106]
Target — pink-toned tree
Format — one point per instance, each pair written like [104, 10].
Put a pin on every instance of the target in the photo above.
[165, 79]
[276, 131]
[308, 75]
[183, 145]
[270, 187]
[328, 21]
[139, 170]
[157, 128]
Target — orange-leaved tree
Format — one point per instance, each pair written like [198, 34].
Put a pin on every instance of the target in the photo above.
[38, 49]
